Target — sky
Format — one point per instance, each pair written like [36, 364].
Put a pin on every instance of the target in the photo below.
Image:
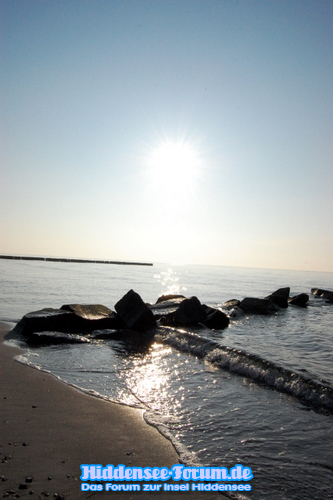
[175, 131]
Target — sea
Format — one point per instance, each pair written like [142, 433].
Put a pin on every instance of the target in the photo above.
[258, 393]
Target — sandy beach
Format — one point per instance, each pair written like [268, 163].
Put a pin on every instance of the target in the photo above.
[48, 429]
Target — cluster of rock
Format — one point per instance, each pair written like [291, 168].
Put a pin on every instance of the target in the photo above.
[81, 323]
[280, 299]
[134, 320]
[177, 310]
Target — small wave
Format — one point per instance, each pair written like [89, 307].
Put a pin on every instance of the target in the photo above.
[15, 343]
[12, 321]
[91, 392]
[319, 395]
[186, 457]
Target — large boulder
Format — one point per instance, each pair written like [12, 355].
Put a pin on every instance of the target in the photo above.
[134, 313]
[253, 305]
[190, 312]
[48, 319]
[63, 320]
[300, 300]
[95, 316]
[215, 319]
[280, 297]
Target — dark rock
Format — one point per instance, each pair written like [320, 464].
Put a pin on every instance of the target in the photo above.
[257, 306]
[167, 304]
[48, 319]
[62, 320]
[300, 300]
[120, 334]
[94, 316]
[189, 312]
[319, 292]
[329, 298]
[282, 292]
[236, 312]
[230, 304]
[280, 297]
[166, 307]
[170, 296]
[278, 300]
[215, 319]
[135, 314]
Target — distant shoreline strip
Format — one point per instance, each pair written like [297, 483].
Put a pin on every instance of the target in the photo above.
[80, 261]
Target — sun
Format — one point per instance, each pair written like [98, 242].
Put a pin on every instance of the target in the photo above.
[173, 168]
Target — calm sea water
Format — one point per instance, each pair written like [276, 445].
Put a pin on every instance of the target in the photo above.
[220, 408]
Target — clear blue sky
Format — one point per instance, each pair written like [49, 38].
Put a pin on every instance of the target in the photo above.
[184, 131]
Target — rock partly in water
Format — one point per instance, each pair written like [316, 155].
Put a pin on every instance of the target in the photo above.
[300, 300]
[165, 307]
[48, 319]
[170, 296]
[253, 305]
[167, 304]
[215, 319]
[95, 316]
[134, 313]
[325, 294]
[62, 320]
[190, 312]
[110, 334]
[88, 311]
[280, 297]
[230, 304]
[236, 312]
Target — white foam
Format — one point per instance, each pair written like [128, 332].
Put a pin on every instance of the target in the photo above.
[186, 457]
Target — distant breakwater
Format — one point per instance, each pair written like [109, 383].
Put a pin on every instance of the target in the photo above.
[80, 261]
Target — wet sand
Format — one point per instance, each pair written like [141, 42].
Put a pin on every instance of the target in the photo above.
[48, 429]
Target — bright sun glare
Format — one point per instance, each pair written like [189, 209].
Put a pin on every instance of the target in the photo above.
[174, 168]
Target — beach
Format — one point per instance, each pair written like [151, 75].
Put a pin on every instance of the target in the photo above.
[48, 429]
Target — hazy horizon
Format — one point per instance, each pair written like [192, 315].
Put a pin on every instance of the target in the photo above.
[146, 262]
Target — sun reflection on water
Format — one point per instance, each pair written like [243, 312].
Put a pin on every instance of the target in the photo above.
[170, 282]
[147, 380]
